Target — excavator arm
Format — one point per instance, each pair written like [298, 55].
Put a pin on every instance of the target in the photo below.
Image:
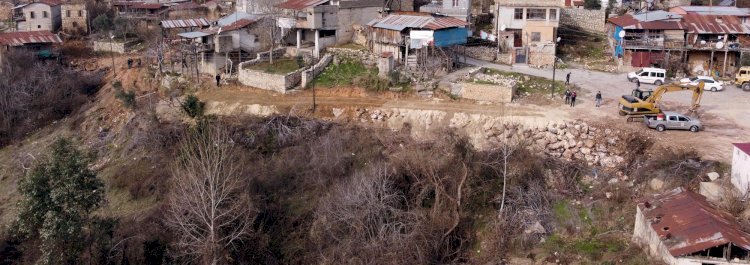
[655, 98]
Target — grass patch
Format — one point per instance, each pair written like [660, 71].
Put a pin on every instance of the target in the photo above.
[531, 84]
[279, 66]
[350, 72]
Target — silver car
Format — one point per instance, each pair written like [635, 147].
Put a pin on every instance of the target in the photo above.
[673, 121]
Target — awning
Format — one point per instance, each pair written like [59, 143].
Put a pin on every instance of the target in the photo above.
[193, 35]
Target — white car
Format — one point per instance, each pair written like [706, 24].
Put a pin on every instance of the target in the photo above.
[648, 75]
[710, 83]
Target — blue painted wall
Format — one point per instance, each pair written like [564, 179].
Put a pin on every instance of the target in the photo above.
[451, 36]
[618, 48]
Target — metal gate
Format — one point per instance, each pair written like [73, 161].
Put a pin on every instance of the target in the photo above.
[520, 56]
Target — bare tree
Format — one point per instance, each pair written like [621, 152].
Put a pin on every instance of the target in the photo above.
[209, 212]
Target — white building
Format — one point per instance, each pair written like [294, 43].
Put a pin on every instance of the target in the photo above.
[460, 9]
[41, 15]
[741, 167]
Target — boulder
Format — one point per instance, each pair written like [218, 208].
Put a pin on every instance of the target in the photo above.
[713, 176]
[656, 184]
[608, 161]
[585, 151]
[535, 228]
[712, 191]
[337, 112]
[608, 195]
[568, 154]
[607, 131]
[589, 143]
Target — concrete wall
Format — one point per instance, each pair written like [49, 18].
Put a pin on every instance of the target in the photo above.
[645, 237]
[542, 55]
[74, 18]
[348, 17]
[487, 92]
[740, 170]
[588, 20]
[275, 82]
[39, 22]
[546, 33]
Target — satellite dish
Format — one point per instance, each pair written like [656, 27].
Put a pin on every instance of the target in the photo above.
[720, 45]
[558, 39]
[502, 27]
[621, 34]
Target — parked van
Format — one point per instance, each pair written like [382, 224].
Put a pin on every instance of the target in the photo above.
[742, 78]
[648, 75]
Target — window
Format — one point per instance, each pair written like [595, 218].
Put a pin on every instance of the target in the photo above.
[518, 13]
[673, 118]
[44, 14]
[67, 13]
[80, 13]
[455, 3]
[536, 13]
[652, 74]
[684, 119]
[553, 14]
[660, 75]
[708, 81]
[38, 26]
[31, 15]
[743, 72]
[536, 36]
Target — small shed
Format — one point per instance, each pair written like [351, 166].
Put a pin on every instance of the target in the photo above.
[398, 33]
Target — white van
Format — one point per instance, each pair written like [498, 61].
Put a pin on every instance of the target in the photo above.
[648, 75]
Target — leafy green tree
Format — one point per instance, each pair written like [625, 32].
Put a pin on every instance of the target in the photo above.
[193, 106]
[59, 195]
[592, 4]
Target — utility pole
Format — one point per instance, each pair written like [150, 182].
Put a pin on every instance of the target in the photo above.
[112, 52]
[313, 85]
[554, 68]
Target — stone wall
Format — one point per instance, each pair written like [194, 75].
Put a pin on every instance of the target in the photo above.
[276, 82]
[485, 53]
[319, 67]
[589, 20]
[366, 57]
[277, 53]
[542, 56]
[116, 47]
[74, 18]
[487, 92]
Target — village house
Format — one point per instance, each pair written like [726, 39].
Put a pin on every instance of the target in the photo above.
[706, 42]
[34, 41]
[40, 15]
[74, 18]
[680, 227]
[140, 10]
[741, 167]
[170, 28]
[187, 10]
[460, 9]
[401, 35]
[316, 24]
[530, 29]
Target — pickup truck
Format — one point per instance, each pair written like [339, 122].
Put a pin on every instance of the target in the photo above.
[672, 121]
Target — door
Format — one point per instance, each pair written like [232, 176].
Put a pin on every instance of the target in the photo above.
[520, 56]
[652, 77]
[672, 122]
[684, 123]
[644, 78]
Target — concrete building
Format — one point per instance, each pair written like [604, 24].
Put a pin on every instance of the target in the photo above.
[41, 15]
[460, 9]
[533, 25]
[679, 227]
[74, 19]
[317, 24]
[402, 35]
[741, 167]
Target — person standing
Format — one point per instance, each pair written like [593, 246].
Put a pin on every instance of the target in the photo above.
[567, 79]
[573, 99]
[218, 80]
[598, 99]
[637, 83]
[567, 96]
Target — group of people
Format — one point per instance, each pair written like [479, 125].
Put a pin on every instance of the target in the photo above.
[570, 96]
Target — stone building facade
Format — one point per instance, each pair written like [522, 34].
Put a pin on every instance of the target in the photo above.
[74, 19]
[593, 21]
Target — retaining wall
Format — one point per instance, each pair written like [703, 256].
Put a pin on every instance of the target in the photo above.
[276, 82]
[117, 47]
[588, 20]
[308, 75]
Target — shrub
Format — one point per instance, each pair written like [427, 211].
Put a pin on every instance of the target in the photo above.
[127, 98]
[193, 106]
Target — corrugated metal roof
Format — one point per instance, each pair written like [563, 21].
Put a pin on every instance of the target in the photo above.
[658, 15]
[687, 223]
[28, 37]
[185, 6]
[714, 10]
[234, 26]
[142, 5]
[744, 147]
[185, 23]
[629, 22]
[300, 4]
[234, 17]
[193, 35]
[701, 24]
[400, 22]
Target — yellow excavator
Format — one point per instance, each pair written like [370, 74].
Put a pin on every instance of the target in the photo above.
[646, 102]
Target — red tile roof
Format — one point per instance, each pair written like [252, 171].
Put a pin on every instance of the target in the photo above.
[234, 26]
[744, 147]
[687, 223]
[300, 4]
[723, 24]
[28, 37]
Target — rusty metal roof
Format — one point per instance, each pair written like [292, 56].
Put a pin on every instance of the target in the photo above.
[142, 5]
[28, 37]
[631, 22]
[185, 6]
[300, 4]
[703, 24]
[185, 23]
[400, 22]
[744, 147]
[687, 223]
[234, 26]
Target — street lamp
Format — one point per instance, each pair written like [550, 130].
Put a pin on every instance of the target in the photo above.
[112, 51]
[554, 68]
